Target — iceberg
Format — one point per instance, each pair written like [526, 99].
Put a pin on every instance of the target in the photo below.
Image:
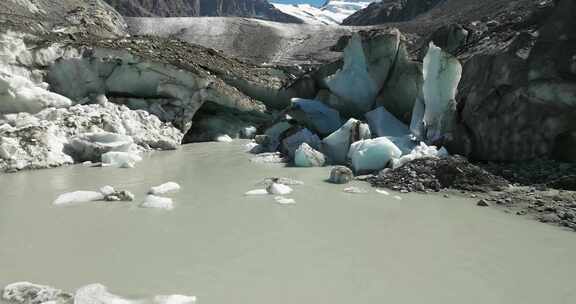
[278, 189]
[284, 201]
[383, 123]
[315, 115]
[224, 138]
[158, 202]
[442, 73]
[120, 159]
[175, 299]
[373, 154]
[353, 85]
[91, 146]
[257, 192]
[97, 294]
[336, 145]
[169, 187]
[306, 156]
[78, 197]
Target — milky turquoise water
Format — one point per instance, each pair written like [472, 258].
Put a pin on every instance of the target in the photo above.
[330, 247]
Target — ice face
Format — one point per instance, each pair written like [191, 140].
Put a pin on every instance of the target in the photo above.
[383, 123]
[352, 85]
[306, 156]
[19, 94]
[442, 73]
[316, 115]
[336, 145]
[372, 154]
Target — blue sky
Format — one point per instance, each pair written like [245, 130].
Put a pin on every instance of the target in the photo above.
[313, 2]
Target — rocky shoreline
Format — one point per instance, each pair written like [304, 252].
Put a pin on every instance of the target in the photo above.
[531, 189]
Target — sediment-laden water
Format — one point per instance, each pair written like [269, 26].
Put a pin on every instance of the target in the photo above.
[224, 247]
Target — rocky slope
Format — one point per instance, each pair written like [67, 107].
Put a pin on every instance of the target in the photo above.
[330, 13]
[390, 11]
[194, 8]
[258, 41]
[93, 17]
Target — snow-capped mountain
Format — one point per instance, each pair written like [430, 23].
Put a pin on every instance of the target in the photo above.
[331, 13]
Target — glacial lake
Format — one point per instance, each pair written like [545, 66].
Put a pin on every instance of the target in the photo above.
[223, 247]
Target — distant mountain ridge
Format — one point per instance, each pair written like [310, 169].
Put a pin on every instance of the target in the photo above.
[260, 9]
[386, 11]
[333, 12]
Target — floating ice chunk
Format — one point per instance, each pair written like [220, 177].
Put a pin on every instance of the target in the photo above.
[382, 123]
[420, 151]
[315, 115]
[169, 187]
[97, 294]
[284, 201]
[306, 156]
[336, 145]
[175, 299]
[442, 73]
[158, 202]
[29, 293]
[279, 189]
[291, 143]
[120, 159]
[281, 180]
[355, 190]
[382, 192]
[398, 197]
[78, 197]
[373, 154]
[353, 84]
[257, 192]
[268, 158]
[224, 138]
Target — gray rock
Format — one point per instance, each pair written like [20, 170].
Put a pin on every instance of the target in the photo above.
[29, 293]
[341, 175]
[483, 203]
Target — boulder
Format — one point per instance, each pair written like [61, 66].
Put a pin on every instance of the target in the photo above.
[341, 175]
